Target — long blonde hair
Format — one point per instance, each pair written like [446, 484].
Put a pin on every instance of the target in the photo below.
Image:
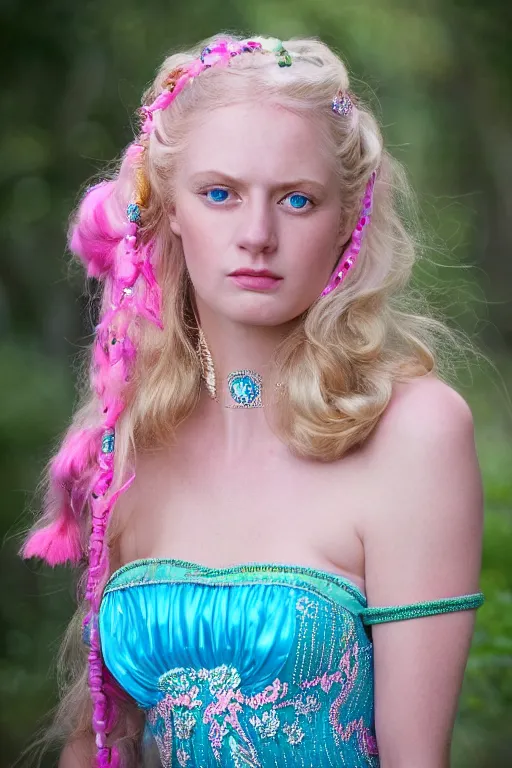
[339, 363]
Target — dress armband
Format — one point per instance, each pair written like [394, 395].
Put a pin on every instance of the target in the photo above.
[380, 615]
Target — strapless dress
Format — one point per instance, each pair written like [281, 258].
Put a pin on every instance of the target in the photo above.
[253, 666]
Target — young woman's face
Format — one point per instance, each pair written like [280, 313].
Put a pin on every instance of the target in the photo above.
[256, 194]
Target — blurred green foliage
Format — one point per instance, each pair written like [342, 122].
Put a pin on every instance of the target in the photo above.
[438, 73]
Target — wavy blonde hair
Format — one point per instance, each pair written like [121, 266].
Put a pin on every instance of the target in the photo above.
[339, 363]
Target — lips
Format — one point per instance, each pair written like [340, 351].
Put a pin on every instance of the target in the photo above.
[255, 279]
[255, 273]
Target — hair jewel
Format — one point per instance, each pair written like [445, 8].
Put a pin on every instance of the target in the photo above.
[342, 104]
[283, 57]
[133, 213]
[172, 79]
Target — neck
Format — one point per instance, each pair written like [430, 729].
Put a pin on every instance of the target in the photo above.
[235, 347]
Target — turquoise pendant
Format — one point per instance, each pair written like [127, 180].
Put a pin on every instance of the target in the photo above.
[245, 389]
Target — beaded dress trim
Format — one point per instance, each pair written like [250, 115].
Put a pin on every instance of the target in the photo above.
[162, 570]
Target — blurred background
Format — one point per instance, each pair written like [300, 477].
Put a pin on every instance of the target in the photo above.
[439, 75]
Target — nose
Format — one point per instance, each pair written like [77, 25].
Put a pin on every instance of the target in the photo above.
[257, 230]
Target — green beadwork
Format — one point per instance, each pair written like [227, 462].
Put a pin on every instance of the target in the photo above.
[417, 610]
[283, 57]
[331, 586]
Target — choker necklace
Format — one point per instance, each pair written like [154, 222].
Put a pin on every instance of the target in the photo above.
[244, 386]
[245, 389]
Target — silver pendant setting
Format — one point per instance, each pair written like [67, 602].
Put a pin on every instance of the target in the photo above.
[245, 389]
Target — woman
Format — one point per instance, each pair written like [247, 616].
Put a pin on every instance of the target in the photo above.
[295, 586]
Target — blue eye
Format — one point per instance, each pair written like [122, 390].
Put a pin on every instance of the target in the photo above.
[298, 201]
[218, 195]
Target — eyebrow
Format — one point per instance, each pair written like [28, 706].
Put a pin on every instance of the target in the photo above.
[205, 176]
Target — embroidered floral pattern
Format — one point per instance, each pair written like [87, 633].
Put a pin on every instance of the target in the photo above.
[182, 756]
[294, 732]
[267, 724]
[312, 704]
[184, 725]
[183, 709]
[308, 607]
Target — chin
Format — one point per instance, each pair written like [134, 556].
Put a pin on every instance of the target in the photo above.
[269, 317]
[258, 309]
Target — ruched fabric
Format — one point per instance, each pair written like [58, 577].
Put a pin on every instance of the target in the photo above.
[259, 665]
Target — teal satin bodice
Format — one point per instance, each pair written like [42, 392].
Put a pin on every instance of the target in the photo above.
[250, 666]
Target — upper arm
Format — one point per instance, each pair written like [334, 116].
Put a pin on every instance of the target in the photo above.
[423, 542]
[78, 753]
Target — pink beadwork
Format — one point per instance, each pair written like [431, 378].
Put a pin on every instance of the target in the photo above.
[350, 254]
[182, 705]
[133, 293]
[218, 54]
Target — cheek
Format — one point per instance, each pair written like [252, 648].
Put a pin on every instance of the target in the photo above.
[203, 248]
[197, 240]
[316, 249]
[203, 231]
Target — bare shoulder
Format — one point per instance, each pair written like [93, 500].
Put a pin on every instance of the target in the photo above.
[425, 520]
[425, 419]
[427, 427]
[134, 526]
[425, 407]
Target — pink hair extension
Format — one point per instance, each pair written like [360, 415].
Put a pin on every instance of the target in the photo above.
[105, 235]
[133, 292]
[57, 542]
[97, 236]
[351, 253]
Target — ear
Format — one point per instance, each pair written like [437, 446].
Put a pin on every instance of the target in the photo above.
[173, 221]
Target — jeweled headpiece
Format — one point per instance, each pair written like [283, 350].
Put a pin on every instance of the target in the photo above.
[219, 53]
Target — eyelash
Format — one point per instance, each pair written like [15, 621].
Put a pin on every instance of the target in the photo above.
[290, 194]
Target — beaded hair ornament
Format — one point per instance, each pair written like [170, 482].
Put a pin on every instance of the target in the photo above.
[121, 257]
